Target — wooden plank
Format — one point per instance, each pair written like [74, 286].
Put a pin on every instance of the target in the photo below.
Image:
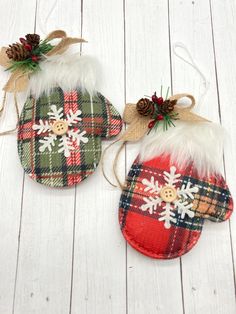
[207, 270]
[99, 281]
[153, 286]
[44, 269]
[46, 240]
[225, 45]
[11, 174]
[59, 15]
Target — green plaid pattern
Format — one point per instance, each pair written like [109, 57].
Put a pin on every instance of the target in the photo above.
[99, 119]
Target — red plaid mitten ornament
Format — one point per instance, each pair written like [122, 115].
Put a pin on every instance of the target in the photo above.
[174, 183]
[64, 118]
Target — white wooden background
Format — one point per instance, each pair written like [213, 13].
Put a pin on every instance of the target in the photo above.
[61, 251]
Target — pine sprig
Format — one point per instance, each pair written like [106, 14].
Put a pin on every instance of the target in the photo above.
[31, 64]
[43, 48]
[25, 66]
[163, 112]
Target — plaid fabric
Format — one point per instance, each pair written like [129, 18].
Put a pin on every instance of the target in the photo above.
[146, 233]
[99, 119]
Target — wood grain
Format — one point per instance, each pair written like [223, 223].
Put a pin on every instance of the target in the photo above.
[224, 43]
[212, 275]
[99, 281]
[11, 177]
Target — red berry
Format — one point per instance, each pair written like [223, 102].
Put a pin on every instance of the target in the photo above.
[34, 58]
[154, 98]
[28, 46]
[151, 124]
[159, 117]
[160, 100]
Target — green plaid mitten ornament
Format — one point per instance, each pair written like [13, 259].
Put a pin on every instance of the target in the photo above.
[60, 134]
[64, 118]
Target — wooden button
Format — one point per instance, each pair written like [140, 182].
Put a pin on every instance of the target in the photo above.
[60, 127]
[168, 194]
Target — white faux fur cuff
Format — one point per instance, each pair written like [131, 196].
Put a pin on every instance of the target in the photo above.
[68, 71]
[200, 142]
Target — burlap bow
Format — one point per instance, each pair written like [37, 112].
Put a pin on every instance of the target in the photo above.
[138, 127]
[138, 124]
[19, 79]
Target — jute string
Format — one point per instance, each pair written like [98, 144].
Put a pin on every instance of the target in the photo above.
[115, 163]
[17, 114]
[16, 109]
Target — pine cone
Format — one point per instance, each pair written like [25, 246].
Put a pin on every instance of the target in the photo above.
[166, 107]
[145, 107]
[33, 39]
[17, 52]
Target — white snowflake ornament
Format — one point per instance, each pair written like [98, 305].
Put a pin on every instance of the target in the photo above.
[60, 129]
[176, 200]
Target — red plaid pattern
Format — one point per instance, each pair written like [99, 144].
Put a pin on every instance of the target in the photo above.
[146, 232]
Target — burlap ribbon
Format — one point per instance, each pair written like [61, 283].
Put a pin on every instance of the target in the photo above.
[138, 124]
[19, 79]
[138, 127]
